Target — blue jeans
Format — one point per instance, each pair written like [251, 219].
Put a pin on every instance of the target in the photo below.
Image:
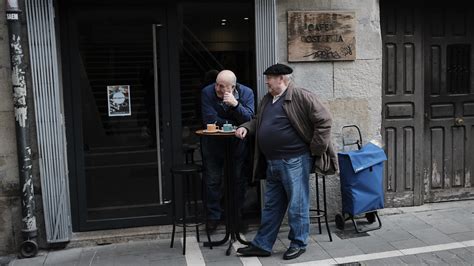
[213, 153]
[287, 185]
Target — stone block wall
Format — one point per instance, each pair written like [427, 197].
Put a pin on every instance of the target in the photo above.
[352, 90]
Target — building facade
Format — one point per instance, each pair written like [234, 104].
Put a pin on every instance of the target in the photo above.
[114, 92]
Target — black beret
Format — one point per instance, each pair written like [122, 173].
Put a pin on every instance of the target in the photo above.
[278, 69]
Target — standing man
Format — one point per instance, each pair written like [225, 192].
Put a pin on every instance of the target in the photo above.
[224, 101]
[292, 137]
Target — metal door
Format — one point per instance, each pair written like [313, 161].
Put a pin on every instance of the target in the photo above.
[402, 128]
[449, 101]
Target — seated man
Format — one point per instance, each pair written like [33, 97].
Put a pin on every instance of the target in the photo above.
[224, 101]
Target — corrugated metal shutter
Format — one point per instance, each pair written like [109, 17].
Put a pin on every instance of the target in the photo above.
[265, 40]
[266, 45]
[49, 119]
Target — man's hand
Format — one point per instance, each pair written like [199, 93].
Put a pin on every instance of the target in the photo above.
[230, 100]
[241, 132]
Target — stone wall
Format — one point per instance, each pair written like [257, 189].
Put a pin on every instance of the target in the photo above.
[352, 90]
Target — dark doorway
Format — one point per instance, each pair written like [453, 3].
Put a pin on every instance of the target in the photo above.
[132, 80]
[119, 104]
[215, 35]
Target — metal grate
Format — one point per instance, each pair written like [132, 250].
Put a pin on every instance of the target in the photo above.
[49, 119]
[458, 68]
[265, 40]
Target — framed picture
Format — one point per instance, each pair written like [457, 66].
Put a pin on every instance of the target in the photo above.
[118, 99]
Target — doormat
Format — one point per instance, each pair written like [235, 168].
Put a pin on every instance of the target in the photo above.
[350, 234]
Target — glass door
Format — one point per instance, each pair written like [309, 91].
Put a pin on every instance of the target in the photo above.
[117, 95]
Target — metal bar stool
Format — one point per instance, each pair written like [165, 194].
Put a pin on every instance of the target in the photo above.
[190, 174]
[188, 150]
[321, 213]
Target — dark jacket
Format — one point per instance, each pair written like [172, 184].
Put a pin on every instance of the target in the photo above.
[215, 111]
[311, 120]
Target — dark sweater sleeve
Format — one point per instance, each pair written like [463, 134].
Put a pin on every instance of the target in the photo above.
[209, 113]
[244, 111]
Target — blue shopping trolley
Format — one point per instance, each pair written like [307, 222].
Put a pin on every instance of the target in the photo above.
[361, 177]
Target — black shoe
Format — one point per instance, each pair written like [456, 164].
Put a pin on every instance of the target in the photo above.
[211, 225]
[293, 253]
[253, 251]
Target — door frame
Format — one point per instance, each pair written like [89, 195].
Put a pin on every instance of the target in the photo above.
[171, 113]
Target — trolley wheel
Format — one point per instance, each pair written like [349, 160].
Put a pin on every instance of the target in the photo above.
[340, 222]
[28, 249]
[370, 217]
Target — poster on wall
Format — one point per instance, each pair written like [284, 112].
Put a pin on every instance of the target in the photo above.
[118, 98]
[321, 36]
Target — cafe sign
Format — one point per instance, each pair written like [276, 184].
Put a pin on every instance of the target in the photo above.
[321, 36]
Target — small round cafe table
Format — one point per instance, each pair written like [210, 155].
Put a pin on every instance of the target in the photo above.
[232, 217]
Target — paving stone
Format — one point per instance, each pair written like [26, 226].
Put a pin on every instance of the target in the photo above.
[63, 257]
[449, 226]
[386, 261]
[394, 234]
[372, 244]
[449, 258]
[464, 254]
[471, 249]
[428, 227]
[223, 263]
[431, 236]
[410, 243]
[224, 259]
[341, 248]
[38, 260]
[412, 260]
[315, 252]
[411, 222]
[179, 261]
[100, 260]
[430, 259]
[273, 260]
[462, 236]
[86, 257]
[127, 260]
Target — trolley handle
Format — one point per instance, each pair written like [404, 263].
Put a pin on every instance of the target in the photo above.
[357, 142]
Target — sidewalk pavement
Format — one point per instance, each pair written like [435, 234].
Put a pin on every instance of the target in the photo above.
[432, 234]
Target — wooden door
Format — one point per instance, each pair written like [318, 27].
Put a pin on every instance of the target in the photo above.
[449, 101]
[402, 99]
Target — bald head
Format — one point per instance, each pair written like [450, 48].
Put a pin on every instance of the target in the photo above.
[225, 82]
[226, 76]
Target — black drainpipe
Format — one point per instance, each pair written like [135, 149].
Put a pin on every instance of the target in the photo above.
[28, 247]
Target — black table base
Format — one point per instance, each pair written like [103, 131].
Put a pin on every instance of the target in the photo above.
[232, 220]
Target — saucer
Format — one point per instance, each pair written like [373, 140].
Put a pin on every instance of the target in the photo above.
[214, 131]
[222, 131]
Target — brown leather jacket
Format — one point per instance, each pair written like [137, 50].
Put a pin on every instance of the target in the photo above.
[311, 120]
